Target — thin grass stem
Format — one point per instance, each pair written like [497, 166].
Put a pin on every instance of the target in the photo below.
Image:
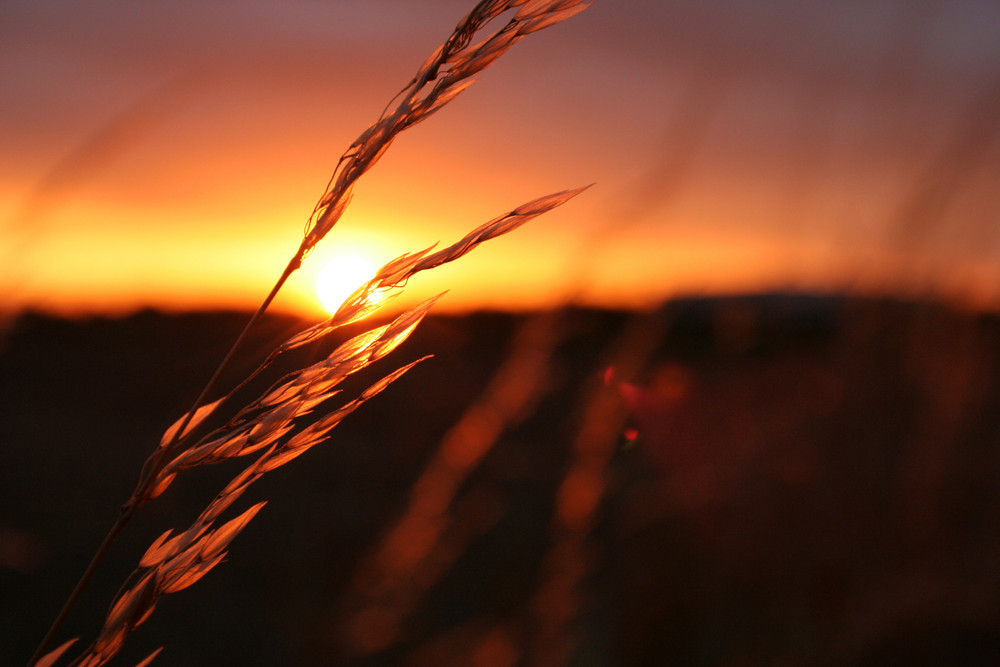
[124, 515]
[133, 503]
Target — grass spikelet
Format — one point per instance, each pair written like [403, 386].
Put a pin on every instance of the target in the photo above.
[170, 435]
[51, 658]
[441, 78]
[148, 660]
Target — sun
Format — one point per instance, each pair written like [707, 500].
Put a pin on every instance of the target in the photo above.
[339, 277]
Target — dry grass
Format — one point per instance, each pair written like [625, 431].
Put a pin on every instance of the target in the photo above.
[283, 423]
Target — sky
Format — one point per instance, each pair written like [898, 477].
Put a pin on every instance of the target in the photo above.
[167, 154]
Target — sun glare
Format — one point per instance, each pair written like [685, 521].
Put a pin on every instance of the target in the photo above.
[339, 277]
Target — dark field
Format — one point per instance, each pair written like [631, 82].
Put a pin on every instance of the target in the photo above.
[768, 480]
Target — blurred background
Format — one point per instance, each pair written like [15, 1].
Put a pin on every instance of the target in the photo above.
[736, 404]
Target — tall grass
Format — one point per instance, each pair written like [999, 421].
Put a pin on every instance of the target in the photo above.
[286, 420]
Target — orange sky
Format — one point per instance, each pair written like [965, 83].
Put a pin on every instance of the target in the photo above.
[168, 154]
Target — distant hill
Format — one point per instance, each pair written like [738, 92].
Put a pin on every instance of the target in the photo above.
[756, 479]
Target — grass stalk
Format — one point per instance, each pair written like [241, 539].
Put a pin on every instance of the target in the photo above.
[274, 426]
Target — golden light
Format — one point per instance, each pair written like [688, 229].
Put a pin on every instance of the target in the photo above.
[339, 277]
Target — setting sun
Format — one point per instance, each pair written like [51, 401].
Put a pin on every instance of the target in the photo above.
[339, 277]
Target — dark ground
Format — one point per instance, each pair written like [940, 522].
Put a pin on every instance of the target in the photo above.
[813, 481]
